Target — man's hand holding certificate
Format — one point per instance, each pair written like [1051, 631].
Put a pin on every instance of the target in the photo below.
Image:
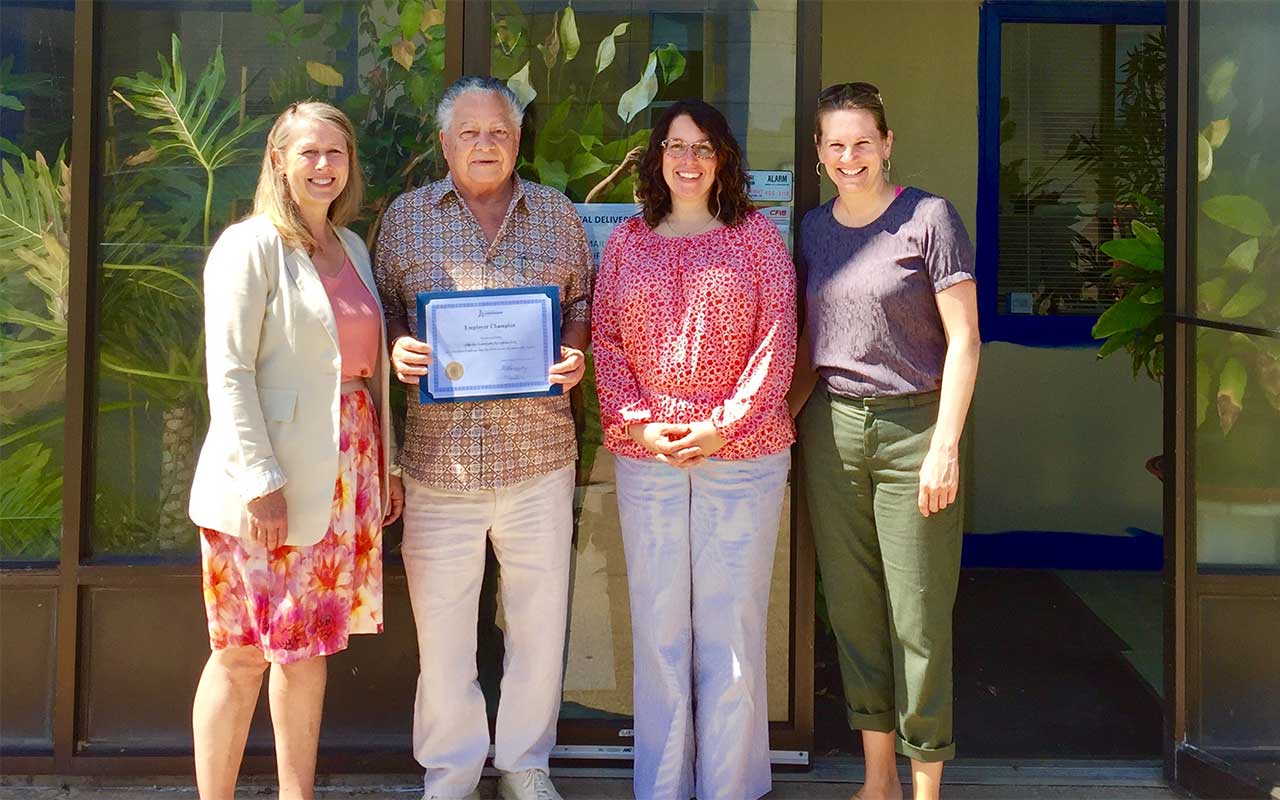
[489, 344]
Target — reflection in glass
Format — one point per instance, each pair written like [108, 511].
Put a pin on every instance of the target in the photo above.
[1236, 272]
[595, 77]
[1082, 152]
[36, 47]
[1237, 451]
[191, 93]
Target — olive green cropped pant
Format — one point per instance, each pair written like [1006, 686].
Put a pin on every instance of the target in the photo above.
[889, 573]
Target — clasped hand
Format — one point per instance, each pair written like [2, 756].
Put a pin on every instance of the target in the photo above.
[678, 445]
[410, 358]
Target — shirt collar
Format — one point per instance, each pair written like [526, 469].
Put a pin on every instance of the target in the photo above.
[445, 187]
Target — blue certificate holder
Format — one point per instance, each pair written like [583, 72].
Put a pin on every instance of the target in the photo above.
[491, 344]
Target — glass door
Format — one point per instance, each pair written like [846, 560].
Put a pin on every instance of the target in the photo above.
[1226, 420]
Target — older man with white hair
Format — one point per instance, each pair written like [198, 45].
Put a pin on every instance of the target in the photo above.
[498, 469]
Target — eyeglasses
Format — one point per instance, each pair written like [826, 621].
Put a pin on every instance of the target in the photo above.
[679, 148]
[854, 90]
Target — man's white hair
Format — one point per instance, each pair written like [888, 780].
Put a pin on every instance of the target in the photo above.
[476, 83]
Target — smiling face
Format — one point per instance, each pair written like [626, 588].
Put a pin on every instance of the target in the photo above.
[853, 151]
[481, 143]
[688, 177]
[315, 162]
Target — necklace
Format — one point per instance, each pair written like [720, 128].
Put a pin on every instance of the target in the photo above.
[693, 232]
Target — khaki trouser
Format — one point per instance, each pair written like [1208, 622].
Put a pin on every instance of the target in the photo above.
[531, 527]
[889, 573]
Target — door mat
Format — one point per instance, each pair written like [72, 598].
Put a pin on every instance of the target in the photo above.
[1037, 675]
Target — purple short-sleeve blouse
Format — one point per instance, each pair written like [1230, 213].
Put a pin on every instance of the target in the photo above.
[870, 312]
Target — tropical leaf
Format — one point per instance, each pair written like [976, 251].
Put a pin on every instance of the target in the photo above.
[31, 206]
[584, 164]
[192, 126]
[403, 52]
[1231, 386]
[34, 269]
[550, 47]
[1216, 132]
[520, 85]
[1221, 76]
[323, 74]
[1204, 158]
[1239, 212]
[639, 96]
[1244, 255]
[1135, 252]
[608, 49]
[30, 503]
[569, 34]
[1128, 314]
[1247, 299]
[672, 62]
[411, 18]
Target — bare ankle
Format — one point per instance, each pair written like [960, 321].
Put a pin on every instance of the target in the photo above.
[880, 788]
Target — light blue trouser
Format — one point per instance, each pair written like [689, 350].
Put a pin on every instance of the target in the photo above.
[699, 544]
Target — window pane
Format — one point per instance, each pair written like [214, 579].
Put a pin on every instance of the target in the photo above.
[36, 47]
[589, 109]
[166, 196]
[1237, 451]
[1236, 269]
[1082, 154]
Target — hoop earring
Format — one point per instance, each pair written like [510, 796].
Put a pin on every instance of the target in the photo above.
[818, 168]
[887, 166]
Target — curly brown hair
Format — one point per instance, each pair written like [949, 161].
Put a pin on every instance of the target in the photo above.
[730, 190]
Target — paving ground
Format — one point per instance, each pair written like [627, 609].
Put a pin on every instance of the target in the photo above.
[786, 787]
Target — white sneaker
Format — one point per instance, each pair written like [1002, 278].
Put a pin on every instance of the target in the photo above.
[473, 796]
[529, 784]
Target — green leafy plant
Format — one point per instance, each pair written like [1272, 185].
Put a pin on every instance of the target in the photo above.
[394, 105]
[192, 126]
[30, 504]
[1237, 391]
[14, 87]
[578, 147]
[34, 205]
[1135, 320]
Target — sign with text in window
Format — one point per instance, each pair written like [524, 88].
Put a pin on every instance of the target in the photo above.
[599, 219]
[769, 186]
[780, 216]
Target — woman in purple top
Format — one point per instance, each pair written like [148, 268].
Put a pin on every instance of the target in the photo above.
[890, 308]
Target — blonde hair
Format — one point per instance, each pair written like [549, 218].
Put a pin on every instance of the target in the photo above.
[273, 197]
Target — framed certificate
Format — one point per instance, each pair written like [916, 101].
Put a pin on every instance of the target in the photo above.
[490, 344]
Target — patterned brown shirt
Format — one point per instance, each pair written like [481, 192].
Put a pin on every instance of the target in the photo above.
[430, 241]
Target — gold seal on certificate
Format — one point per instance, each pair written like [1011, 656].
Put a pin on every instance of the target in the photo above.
[454, 370]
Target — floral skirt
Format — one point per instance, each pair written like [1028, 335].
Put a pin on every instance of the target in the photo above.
[295, 603]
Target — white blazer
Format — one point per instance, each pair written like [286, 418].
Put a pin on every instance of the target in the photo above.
[271, 347]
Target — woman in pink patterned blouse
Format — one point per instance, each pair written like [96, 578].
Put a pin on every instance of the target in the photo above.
[694, 334]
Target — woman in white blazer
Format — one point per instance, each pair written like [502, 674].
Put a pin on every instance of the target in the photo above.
[294, 481]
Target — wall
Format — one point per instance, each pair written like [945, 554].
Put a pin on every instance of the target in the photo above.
[1057, 439]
